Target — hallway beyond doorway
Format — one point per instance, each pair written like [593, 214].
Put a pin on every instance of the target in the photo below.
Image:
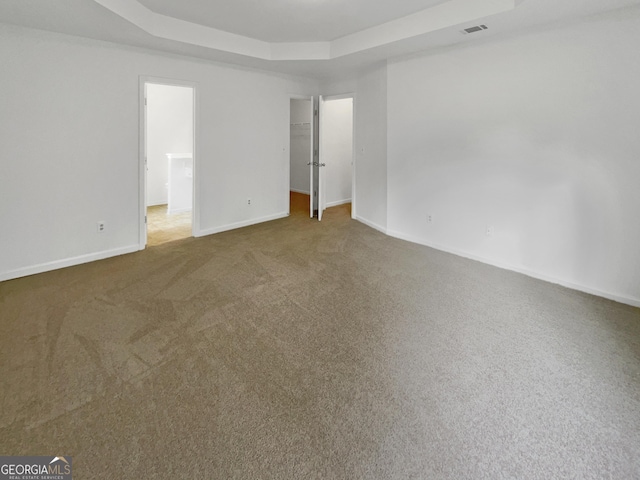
[163, 228]
[299, 205]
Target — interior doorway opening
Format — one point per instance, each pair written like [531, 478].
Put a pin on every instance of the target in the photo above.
[301, 148]
[168, 176]
[321, 167]
[335, 165]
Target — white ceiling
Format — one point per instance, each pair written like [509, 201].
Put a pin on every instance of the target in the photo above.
[439, 16]
[339, 41]
[289, 20]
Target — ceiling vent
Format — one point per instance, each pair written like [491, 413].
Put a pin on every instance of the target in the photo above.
[477, 28]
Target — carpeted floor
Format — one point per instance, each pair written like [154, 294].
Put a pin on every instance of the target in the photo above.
[303, 350]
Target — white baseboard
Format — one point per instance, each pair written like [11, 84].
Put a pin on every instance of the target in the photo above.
[178, 210]
[233, 226]
[67, 262]
[635, 302]
[299, 191]
[338, 202]
[373, 225]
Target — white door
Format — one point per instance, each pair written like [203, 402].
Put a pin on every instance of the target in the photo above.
[311, 158]
[145, 169]
[322, 187]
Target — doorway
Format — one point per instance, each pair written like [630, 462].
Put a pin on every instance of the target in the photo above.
[336, 153]
[321, 150]
[335, 165]
[167, 196]
[301, 138]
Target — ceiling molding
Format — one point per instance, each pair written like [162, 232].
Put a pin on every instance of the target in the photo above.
[444, 15]
[448, 14]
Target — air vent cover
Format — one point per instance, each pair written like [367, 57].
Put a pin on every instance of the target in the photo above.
[477, 28]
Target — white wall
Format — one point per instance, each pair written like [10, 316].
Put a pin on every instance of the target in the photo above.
[300, 151]
[337, 149]
[180, 198]
[370, 119]
[169, 130]
[536, 136]
[69, 131]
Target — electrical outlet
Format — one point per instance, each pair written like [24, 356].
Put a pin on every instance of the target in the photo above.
[248, 201]
[429, 218]
[101, 227]
[489, 231]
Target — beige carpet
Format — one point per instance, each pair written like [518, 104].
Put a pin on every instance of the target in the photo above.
[303, 350]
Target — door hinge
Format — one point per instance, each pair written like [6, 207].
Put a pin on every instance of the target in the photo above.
[145, 101]
[145, 219]
[315, 112]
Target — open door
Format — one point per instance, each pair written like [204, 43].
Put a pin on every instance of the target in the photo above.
[322, 197]
[311, 158]
[333, 128]
[144, 167]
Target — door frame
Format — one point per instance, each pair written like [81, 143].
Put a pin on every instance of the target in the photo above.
[142, 153]
[309, 98]
[352, 96]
